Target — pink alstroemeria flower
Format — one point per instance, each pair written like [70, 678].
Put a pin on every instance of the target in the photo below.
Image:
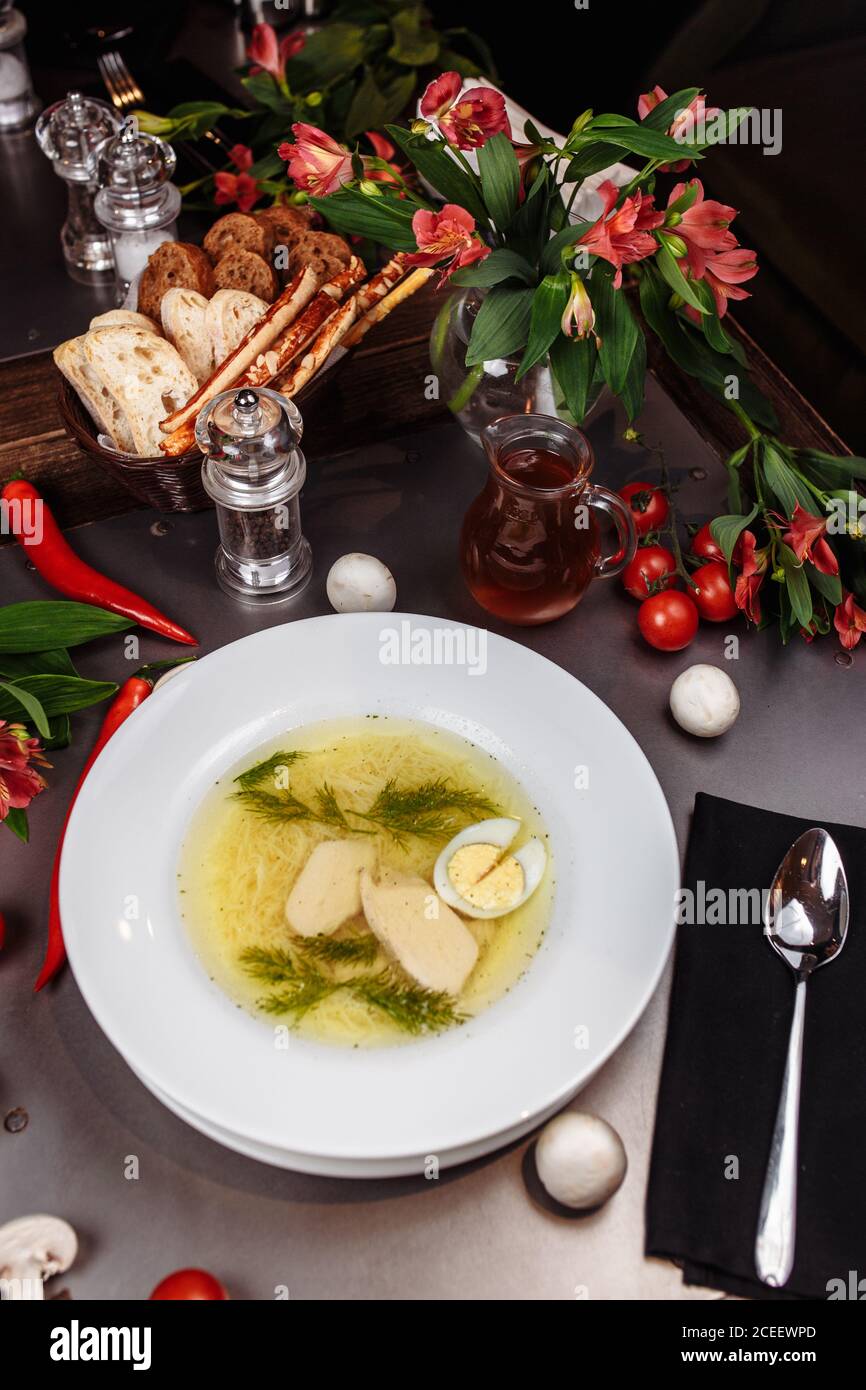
[579, 315]
[237, 188]
[849, 621]
[703, 226]
[623, 235]
[753, 565]
[317, 164]
[466, 119]
[384, 150]
[725, 271]
[806, 539]
[446, 237]
[19, 781]
[269, 54]
[684, 125]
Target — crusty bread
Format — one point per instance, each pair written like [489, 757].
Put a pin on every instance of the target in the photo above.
[103, 406]
[146, 375]
[112, 317]
[173, 265]
[244, 270]
[237, 231]
[323, 252]
[230, 315]
[184, 321]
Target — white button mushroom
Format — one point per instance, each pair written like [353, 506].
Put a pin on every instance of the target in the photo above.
[580, 1160]
[361, 584]
[33, 1249]
[704, 701]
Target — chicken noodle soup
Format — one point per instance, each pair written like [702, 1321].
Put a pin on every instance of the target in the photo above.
[307, 881]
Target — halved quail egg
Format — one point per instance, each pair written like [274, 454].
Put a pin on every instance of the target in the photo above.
[476, 876]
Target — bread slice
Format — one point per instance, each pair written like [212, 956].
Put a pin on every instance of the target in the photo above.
[230, 315]
[97, 399]
[323, 252]
[146, 375]
[112, 317]
[184, 321]
[245, 270]
[237, 231]
[173, 265]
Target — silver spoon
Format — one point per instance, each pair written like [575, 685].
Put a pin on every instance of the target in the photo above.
[805, 922]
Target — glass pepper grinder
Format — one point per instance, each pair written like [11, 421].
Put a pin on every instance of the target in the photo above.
[69, 133]
[254, 471]
[137, 202]
[18, 102]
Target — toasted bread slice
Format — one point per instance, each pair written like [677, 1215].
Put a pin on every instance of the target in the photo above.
[230, 315]
[324, 252]
[112, 317]
[184, 322]
[97, 399]
[245, 270]
[237, 231]
[146, 375]
[173, 265]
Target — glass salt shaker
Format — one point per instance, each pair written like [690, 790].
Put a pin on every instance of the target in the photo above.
[70, 133]
[18, 102]
[254, 471]
[137, 202]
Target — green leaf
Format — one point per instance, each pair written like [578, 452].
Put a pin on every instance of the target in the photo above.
[54, 663]
[548, 307]
[384, 218]
[328, 54]
[727, 529]
[633, 387]
[374, 104]
[829, 585]
[265, 92]
[847, 465]
[415, 45]
[500, 179]
[783, 481]
[501, 326]
[43, 625]
[500, 265]
[591, 160]
[674, 277]
[57, 694]
[614, 325]
[442, 171]
[60, 732]
[662, 116]
[797, 585]
[573, 361]
[28, 701]
[551, 256]
[16, 821]
[640, 139]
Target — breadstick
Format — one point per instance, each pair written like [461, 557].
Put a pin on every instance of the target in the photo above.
[381, 310]
[304, 370]
[295, 338]
[381, 283]
[282, 312]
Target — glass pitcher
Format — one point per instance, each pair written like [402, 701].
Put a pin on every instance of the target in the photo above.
[531, 542]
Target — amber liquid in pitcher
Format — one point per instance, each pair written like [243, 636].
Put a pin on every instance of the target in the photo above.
[527, 549]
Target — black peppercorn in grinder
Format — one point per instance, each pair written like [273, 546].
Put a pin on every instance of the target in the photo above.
[254, 470]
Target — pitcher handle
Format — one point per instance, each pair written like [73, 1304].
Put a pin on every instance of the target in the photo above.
[619, 512]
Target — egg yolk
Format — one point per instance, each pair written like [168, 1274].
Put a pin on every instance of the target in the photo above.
[483, 879]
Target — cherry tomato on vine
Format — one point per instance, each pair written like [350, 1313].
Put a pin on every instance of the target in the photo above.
[714, 595]
[649, 506]
[705, 546]
[189, 1284]
[649, 566]
[668, 621]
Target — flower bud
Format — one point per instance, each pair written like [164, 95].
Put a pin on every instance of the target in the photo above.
[372, 189]
[419, 126]
[673, 219]
[675, 245]
[313, 98]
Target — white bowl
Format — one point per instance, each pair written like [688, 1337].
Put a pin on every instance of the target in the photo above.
[615, 860]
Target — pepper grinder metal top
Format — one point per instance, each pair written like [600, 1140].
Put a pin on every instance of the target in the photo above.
[254, 471]
[137, 202]
[70, 133]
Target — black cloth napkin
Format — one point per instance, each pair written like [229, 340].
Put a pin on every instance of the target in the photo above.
[724, 1060]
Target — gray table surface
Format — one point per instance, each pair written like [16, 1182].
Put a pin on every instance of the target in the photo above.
[480, 1232]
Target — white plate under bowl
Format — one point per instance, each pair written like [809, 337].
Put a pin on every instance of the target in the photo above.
[615, 861]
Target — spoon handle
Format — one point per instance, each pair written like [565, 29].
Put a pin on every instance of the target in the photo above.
[777, 1224]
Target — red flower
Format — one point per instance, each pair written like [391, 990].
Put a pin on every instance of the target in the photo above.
[268, 54]
[317, 164]
[242, 157]
[466, 119]
[849, 621]
[684, 125]
[19, 782]
[384, 150]
[623, 235]
[446, 238]
[806, 539]
[703, 226]
[236, 188]
[753, 567]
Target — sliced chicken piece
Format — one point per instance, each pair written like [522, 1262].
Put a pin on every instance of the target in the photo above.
[327, 891]
[421, 932]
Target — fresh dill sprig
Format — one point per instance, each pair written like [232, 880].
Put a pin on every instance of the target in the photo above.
[254, 776]
[327, 809]
[300, 995]
[410, 1006]
[272, 964]
[429, 811]
[274, 806]
[352, 950]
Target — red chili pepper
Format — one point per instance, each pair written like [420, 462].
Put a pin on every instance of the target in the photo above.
[130, 695]
[65, 571]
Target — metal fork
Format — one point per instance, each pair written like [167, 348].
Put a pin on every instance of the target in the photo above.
[123, 90]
